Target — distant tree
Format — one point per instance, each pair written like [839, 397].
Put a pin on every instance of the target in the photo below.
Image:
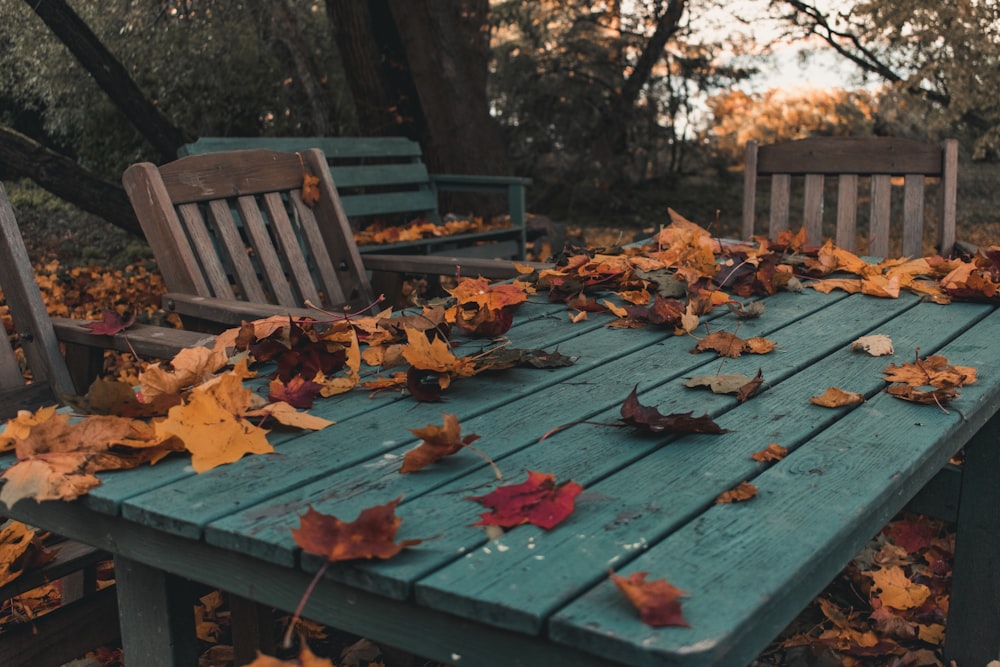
[602, 92]
[778, 115]
[943, 54]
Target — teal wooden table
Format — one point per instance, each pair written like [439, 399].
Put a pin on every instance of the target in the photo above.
[536, 597]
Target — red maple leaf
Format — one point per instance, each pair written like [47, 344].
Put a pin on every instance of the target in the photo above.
[538, 501]
[656, 600]
[111, 323]
[911, 534]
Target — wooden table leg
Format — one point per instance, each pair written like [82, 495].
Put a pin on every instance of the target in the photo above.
[253, 629]
[973, 634]
[156, 610]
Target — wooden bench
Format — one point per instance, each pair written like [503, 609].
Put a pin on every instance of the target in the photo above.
[385, 179]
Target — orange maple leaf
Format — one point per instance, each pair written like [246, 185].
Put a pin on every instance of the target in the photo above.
[306, 659]
[657, 600]
[739, 493]
[310, 189]
[371, 535]
[438, 442]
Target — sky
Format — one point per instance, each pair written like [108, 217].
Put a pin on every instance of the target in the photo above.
[821, 69]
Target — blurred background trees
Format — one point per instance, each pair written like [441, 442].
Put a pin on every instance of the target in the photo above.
[612, 107]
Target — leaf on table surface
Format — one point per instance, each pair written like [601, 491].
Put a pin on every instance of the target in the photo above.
[876, 345]
[211, 427]
[297, 392]
[371, 535]
[835, 397]
[728, 383]
[438, 442]
[732, 346]
[435, 355]
[749, 390]
[913, 394]
[189, 367]
[111, 323]
[656, 600]
[48, 477]
[749, 311]
[485, 309]
[538, 501]
[501, 358]
[650, 419]
[773, 452]
[286, 415]
[738, 494]
[934, 370]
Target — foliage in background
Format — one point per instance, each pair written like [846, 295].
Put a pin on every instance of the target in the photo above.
[213, 67]
[942, 60]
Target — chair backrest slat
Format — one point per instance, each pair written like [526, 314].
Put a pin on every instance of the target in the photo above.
[879, 160]
[31, 321]
[270, 265]
[298, 252]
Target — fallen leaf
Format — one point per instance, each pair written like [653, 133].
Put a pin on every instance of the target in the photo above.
[749, 390]
[732, 346]
[772, 452]
[306, 659]
[934, 370]
[371, 535]
[111, 323]
[876, 345]
[729, 383]
[438, 442]
[538, 501]
[740, 493]
[896, 590]
[657, 600]
[650, 419]
[834, 397]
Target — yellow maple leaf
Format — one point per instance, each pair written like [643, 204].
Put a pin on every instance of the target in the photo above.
[896, 589]
[434, 355]
[212, 433]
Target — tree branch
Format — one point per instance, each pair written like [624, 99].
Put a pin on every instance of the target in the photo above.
[110, 75]
[66, 179]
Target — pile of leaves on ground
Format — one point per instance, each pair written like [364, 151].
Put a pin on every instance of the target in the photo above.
[671, 283]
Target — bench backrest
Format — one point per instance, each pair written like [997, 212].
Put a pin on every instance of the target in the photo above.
[30, 322]
[880, 159]
[234, 225]
[376, 177]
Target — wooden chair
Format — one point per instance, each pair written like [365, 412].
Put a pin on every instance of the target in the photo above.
[881, 159]
[87, 618]
[235, 238]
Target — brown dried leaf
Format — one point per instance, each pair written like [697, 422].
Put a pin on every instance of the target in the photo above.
[835, 397]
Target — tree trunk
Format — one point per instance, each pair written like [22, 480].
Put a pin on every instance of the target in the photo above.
[376, 69]
[66, 179]
[110, 75]
[448, 50]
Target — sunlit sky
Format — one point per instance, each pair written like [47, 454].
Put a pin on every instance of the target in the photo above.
[786, 69]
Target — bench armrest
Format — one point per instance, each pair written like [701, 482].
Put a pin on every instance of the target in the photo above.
[228, 312]
[148, 341]
[447, 266]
